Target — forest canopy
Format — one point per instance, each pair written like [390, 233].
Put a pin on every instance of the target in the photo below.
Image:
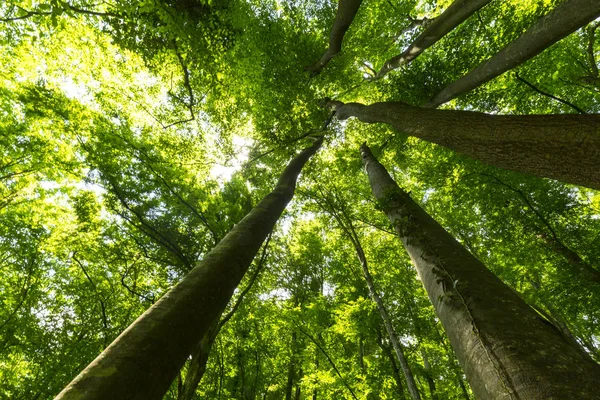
[135, 135]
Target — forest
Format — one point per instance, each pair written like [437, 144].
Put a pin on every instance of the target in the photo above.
[300, 199]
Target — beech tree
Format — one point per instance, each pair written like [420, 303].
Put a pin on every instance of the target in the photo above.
[487, 323]
[143, 361]
[563, 147]
[454, 15]
[569, 16]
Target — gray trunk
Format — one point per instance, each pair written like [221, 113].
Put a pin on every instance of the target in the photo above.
[507, 350]
[387, 322]
[346, 11]
[562, 147]
[453, 16]
[143, 361]
[569, 16]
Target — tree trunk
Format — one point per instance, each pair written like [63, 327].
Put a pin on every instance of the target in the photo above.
[562, 147]
[569, 16]
[143, 361]
[453, 16]
[387, 322]
[428, 376]
[395, 370]
[291, 369]
[506, 349]
[198, 363]
[346, 11]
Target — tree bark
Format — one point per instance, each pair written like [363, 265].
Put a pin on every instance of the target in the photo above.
[198, 363]
[428, 376]
[453, 16]
[387, 322]
[395, 370]
[508, 351]
[346, 11]
[569, 16]
[143, 361]
[563, 147]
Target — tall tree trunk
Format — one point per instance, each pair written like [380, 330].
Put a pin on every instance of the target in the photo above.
[345, 222]
[291, 369]
[143, 361]
[346, 11]
[453, 16]
[562, 147]
[387, 322]
[198, 363]
[506, 349]
[395, 370]
[569, 16]
[428, 376]
[200, 355]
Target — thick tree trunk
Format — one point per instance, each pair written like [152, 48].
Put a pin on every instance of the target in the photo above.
[569, 16]
[507, 350]
[143, 361]
[453, 16]
[346, 11]
[562, 147]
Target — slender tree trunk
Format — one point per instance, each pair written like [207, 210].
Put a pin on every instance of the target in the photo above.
[198, 363]
[453, 16]
[143, 361]
[506, 349]
[291, 369]
[395, 370]
[387, 322]
[428, 376]
[562, 147]
[569, 16]
[346, 11]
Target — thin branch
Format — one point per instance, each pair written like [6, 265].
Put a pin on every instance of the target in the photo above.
[590, 49]
[100, 300]
[568, 103]
[32, 13]
[323, 128]
[130, 290]
[238, 302]
[186, 82]
[312, 339]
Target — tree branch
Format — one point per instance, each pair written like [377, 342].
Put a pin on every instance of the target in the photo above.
[543, 93]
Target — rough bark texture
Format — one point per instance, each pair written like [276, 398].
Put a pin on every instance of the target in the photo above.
[569, 16]
[507, 350]
[562, 147]
[346, 11]
[453, 16]
[143, 361]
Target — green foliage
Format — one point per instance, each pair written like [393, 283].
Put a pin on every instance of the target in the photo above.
[134, 135]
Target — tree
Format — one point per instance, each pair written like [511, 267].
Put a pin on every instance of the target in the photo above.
[435, 29]
[563, 20]
[563, 147]
[346, 11]
[142, 362]
[500, 341]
